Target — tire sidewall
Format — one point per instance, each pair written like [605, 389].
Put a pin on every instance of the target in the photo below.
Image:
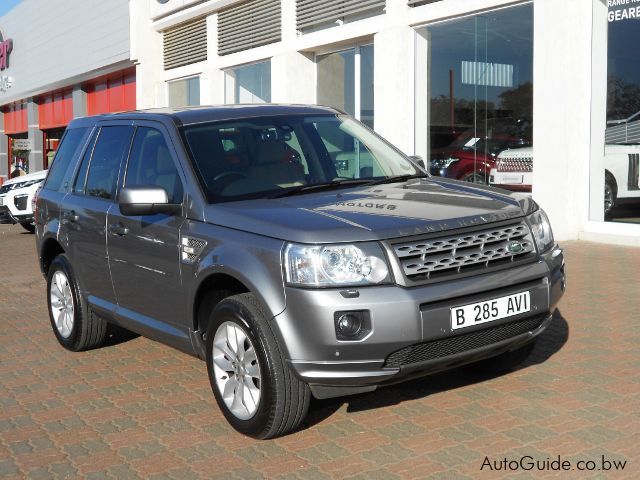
[230, 310]
[61, 263]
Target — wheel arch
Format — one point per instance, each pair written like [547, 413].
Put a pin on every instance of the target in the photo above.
[50, 249]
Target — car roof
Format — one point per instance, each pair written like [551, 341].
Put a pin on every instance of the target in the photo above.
[202, 114]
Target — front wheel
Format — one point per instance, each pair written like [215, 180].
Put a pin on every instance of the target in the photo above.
[610, 194]
[255, 389]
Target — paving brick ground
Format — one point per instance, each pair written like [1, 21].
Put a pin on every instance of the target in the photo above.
[138, 409]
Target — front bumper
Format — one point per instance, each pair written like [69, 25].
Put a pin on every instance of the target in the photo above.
[406, 317]
[6, 217]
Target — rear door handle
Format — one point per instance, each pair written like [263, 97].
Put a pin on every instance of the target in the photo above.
[118, 230]
[71, 216]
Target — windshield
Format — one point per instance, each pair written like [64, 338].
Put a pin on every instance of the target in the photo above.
[260, 157]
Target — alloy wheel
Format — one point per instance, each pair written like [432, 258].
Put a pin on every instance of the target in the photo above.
[608, 198]
[237, 371]
[62, 308]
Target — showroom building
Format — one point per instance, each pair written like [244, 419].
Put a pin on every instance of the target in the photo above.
[457, 82]
[442, 79]
[59, 60]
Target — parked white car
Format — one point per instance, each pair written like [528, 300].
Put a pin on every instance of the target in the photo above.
[514, 171]
[15, 199]
[621, 176]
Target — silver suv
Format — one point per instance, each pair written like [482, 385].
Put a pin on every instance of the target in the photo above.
[292, 249]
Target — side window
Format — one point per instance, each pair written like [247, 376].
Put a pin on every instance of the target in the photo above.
[151, 164]
[70, 145]
[111, 146]
[81, 176]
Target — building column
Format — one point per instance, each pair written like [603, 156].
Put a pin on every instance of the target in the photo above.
[292, 72]
[4, 147]
[36, 160]
[79, 98]
[562, 112]
[394, 86]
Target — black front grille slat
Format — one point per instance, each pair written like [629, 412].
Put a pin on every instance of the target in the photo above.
[444, 347]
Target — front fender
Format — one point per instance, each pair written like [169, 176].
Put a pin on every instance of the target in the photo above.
[251, 259]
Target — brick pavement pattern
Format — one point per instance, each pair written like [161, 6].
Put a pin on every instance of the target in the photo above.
[138, 409]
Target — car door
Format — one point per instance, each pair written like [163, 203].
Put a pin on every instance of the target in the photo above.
[84, 211]
[144, 251]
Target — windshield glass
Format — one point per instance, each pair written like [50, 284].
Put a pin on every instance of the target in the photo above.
[260, 157]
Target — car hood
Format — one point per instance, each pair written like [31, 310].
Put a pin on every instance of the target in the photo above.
[379, 212]
[25, 178]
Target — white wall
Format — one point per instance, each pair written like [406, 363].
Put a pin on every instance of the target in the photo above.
[567, 143]
[56, 42]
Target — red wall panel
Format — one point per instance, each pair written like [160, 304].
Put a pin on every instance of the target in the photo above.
[15, 118]
[55, 110]
[113, 93]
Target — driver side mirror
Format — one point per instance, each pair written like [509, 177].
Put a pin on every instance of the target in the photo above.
[134, 201]
[419, 160]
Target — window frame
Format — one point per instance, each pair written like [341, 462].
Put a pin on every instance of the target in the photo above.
[357, 73]
[92, 142]
[122, 180]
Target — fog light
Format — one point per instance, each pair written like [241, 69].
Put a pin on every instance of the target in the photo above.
[351, 326]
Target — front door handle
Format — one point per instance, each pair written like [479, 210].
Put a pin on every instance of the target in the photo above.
[71, 216]
[118, 230]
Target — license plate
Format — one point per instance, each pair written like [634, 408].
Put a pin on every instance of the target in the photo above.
[483, 312]
[511, 179]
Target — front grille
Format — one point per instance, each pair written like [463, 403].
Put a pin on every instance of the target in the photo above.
[21, 202]
[444, 347]
[524, 164]
[471, 251]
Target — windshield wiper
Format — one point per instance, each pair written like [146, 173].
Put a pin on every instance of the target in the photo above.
[320, 186]
[397, 179]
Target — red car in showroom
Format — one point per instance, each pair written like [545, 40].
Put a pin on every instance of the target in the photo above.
[471, 158]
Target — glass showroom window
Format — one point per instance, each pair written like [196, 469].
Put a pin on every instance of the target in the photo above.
[249, 83]
[622, 134]
[345, 82]
[184, 92]
[474, 97]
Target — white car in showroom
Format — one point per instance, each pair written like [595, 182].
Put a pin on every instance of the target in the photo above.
[15, 199]
[514, 171]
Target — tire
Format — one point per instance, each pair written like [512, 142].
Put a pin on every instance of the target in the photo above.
[475, 177]
[505, 362]
[78, 328]
[610, 194]
[282, 400]
[29, 227]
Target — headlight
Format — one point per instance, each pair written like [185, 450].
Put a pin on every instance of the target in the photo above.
[541, 229]
[444, 162]
[335, 265]
[28, 183]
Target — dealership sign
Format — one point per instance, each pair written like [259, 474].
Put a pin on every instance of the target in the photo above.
[6, 47]
[623, 10]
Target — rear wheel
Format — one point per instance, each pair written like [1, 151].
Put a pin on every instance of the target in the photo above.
[29, 227]
[74, 325]
[255, 389]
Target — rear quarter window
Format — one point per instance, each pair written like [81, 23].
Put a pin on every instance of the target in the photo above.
[70, 146]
